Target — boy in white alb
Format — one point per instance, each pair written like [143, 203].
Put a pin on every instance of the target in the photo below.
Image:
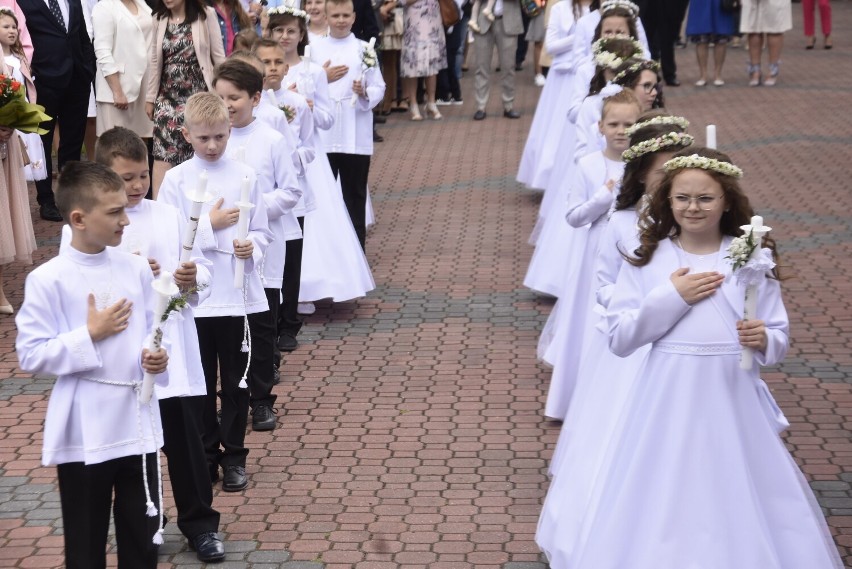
[264, 149]
[349, 144]
[271, 56]
[221, 319]
[85, 318]
[156, 232]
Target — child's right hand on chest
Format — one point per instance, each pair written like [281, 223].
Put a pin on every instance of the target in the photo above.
[695, 287]
[109, 321]
[222, 218]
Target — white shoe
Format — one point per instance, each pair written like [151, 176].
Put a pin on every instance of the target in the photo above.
[306, 308]
[539, 80]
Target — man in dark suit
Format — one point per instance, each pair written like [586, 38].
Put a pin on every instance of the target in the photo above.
[63, 68]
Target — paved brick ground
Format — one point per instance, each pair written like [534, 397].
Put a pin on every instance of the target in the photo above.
[411, 433]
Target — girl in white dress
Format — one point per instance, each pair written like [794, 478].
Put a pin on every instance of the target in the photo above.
[616, 24]
[550, 112]
[640, 77]
[696, 474]
[590, 199]
[333, 263]
[548, 266]
[18, 66]
[596, 404]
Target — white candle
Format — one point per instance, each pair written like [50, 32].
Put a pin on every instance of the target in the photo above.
[711, 136]
[198, 199]
[242, 230]
[372, 43]
[165, 289]
[307, 55]
[758, 231]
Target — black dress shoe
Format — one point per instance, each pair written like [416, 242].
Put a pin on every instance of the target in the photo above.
[208, 547]
[379, 118]
[378, 137]
[479, 115]
[673, 82]
[50, 212]
[235, 479]
[263, 418]
[287, 343]
[511, 114]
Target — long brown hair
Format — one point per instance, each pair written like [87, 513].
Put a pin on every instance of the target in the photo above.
[16, 48]
[657, 222]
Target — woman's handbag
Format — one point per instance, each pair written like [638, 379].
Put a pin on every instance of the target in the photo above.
[450, 13]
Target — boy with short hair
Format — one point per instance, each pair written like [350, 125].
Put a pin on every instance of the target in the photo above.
[268, 152]
[350, 143]
[85, 318]
[221, 319]
[156, 232]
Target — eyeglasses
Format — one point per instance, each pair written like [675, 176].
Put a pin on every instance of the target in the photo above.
[705, 203]
[649, 87]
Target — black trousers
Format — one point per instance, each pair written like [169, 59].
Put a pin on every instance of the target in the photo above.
[289, 321]
[661, 20]
[86, 496]
[190, 478]
[353, 171]
[263, 326]
[68, 105]
[219, 340]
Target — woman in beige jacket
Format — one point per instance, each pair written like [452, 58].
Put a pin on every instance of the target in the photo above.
[186, 46]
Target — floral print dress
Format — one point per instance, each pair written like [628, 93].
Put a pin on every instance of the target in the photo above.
[424, 51]
[181, 78]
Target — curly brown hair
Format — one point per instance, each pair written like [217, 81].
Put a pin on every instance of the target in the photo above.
[633, 184]
[657, 222]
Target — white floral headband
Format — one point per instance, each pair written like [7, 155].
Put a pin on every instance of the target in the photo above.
[626, 4]
[663, 120]
[648, 64]
[607, 59]
[656, 144]
[696, 161]
[285, 10]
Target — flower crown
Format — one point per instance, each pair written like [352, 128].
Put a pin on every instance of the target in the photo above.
[648, 64]
[656, 144]
[626, 4]
[607, 59]
[696, 161]
[664, 120]
[286, 10]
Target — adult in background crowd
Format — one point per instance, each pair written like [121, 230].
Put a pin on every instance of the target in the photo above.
[187, 45]
[449, 79]
[63, 66]
[662, 20]
[232, 18]
[123, 31]
[707, 23]
[424, 53]
[502, 34]
[765, 20]
[809, 24]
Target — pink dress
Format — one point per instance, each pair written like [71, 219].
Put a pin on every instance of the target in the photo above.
[17, 240]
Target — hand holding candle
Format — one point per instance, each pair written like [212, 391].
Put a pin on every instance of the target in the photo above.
[757, 231]
[165, 289]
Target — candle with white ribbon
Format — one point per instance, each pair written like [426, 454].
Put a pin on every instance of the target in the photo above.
[164, 288]
[198, 198]
[711, 137]
[242, 228]
[372, 46]
[758, 231]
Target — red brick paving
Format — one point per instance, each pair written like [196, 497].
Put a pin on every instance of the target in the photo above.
[411, 433]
